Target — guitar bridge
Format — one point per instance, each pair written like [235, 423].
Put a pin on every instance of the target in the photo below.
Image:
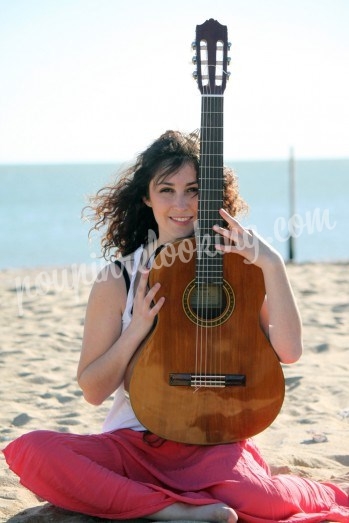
[207, 380]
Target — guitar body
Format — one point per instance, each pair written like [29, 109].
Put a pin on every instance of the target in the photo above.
[231, 345]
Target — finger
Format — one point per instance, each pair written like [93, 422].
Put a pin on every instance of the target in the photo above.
[157, 306]
[230, 236]
[152, 292]
[228, 218]
[234, 224]
[143, 283]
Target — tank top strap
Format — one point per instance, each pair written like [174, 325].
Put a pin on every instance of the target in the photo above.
[124, 273]
[131, 265]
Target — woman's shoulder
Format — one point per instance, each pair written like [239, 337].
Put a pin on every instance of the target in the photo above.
[108, 285]
[108, 293]
[110, 273]
[117, 274]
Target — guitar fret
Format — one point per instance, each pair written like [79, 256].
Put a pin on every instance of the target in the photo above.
[213, 273]
[208, 278]
[213, 270]
[209, 147]
[212, 279]
[209, 263]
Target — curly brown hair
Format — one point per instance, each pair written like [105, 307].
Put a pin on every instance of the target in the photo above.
[120, 208]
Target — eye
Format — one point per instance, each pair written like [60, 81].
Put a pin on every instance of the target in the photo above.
[193, 190]
[166, 189]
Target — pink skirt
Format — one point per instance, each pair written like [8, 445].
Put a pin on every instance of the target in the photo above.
[124, 475]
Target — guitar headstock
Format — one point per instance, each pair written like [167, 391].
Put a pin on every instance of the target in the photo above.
[211, 44]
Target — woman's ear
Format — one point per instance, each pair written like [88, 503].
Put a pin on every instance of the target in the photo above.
[146, 201]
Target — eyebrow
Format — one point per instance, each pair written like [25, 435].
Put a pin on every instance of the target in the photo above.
[169, 183]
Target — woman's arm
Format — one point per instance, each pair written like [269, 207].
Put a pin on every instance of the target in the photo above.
[280, 317]
[106, 350]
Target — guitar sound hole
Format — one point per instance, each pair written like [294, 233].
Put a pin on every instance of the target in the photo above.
[208, 304]
[207, 301]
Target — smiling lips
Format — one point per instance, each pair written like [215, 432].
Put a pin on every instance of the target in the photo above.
[181, 219]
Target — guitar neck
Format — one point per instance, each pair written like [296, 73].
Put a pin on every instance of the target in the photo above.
[211, 179]
[211, 44]
[211, 161]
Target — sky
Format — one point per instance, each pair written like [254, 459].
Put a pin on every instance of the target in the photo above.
[99, 80]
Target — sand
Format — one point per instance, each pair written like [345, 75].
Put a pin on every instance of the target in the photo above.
[42, 314]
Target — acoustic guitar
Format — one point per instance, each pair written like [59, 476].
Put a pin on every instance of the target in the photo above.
[207, 374]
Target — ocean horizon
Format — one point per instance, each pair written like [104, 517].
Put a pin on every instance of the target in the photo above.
[41, 225]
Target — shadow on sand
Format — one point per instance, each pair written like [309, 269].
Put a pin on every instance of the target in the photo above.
[49, 514]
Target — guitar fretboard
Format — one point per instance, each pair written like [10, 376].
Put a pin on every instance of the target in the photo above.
[209, 262]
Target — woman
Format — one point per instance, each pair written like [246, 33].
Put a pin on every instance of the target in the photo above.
[126, 472]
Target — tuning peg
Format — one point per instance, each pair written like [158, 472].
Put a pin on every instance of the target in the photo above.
[193, 45]
[228, 60]
[194, 59]
[228, 75]
[195, 75]
[229, 46]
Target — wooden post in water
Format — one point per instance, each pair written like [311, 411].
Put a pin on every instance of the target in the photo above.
[292, 203]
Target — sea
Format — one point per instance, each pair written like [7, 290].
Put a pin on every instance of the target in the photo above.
[303, 211]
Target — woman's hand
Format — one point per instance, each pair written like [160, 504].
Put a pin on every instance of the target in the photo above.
[144, 308]
[279, 315]
[107, 349]
[244, 241]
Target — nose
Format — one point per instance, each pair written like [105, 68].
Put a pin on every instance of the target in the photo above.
[180, 201]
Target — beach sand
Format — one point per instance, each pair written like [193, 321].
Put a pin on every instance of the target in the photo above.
[42, 314]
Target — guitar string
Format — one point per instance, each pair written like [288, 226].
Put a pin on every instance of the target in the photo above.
[201, 230]
[208, 177]
[198, 249]
[203, 276]
[210, 332]
[207, 214]
[211, 173]
[203, 211]
[202, 241]
[208, 360]
[208, 166]
[212, 193]
[213, 347]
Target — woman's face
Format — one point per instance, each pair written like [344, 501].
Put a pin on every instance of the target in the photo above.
[174, 201]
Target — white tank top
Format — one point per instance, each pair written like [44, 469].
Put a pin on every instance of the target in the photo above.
[121, 415]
